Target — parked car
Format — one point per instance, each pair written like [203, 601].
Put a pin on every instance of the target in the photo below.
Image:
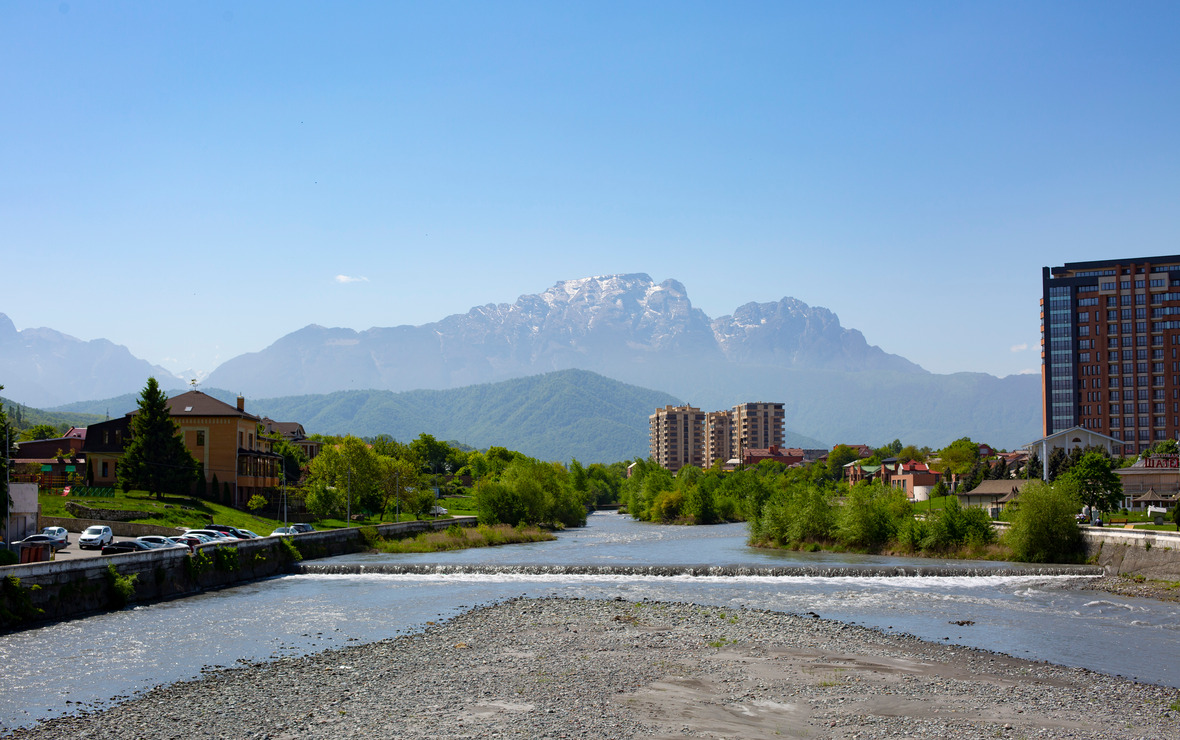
[159, 540]
[231, 531]
[58, 533]
[281, 531]
[126, 546]
[438, 511]
[300, 528]
[42, 539]
[217, 535]
[249, 534]
[192, 540]
[95, 537]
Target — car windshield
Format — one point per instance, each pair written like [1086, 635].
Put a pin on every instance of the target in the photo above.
[93, 530]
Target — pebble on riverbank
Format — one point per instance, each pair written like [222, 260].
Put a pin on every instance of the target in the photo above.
[616, 669]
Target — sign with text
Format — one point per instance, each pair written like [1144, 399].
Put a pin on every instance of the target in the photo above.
[1162, 461]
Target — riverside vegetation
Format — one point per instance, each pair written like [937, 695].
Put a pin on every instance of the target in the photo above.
[809, 509]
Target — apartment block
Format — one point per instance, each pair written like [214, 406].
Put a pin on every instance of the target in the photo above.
[677, 437]
[683, 435]
[1110, 349]
[757, 425]
[719, 437]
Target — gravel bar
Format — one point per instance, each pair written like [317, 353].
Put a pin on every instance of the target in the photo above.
[577, 668]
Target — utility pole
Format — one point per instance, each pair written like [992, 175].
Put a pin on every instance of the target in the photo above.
[349, 520]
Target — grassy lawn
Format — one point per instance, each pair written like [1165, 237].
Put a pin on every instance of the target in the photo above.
[171, 511]
[194, 513]
[931, 504]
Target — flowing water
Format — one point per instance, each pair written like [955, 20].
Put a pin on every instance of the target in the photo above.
[90, 662]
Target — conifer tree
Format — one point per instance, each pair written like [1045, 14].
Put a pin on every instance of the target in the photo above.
[155, 458]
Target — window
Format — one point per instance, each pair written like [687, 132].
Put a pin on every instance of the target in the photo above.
[1140, 284]
[200, 438]
[1083, 317]
[1124, 285]
[105, 467]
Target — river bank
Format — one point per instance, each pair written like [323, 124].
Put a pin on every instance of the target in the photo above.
[600, 669]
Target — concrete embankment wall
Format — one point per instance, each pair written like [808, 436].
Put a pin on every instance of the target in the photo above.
[1149, 553]
[57, 590]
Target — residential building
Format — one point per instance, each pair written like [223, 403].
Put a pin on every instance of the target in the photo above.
[293, 432]
[915, 478]
[223, 438]
[683, 435]
[755, 455]
[757, 425]
[718, 437]
[677, 436]
[1110, 349]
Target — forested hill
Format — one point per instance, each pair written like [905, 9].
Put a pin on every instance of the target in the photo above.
[555, 416]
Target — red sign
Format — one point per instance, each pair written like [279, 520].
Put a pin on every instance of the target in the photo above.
[1162, 461]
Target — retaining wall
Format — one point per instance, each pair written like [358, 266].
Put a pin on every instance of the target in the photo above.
[119, 529]
[1150, 553]
[65, 589]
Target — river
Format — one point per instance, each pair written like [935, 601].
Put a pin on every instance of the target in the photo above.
[92, 662]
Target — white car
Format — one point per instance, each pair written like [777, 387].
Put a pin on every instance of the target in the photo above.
[217, 535]
[157, 540]
[95, 537]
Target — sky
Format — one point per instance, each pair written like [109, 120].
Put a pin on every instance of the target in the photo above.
[194, 180]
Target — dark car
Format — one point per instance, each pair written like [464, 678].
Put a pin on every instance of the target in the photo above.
[300, 528]
[231, 531]
[43, 539]
[126, 546]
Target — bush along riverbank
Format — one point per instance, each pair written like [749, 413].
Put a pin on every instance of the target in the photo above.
[455, 537]
[873, 518]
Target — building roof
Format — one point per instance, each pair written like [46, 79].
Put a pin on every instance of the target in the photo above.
[287, 429]
[196, 403]
[1151, 497]
[1078, 435]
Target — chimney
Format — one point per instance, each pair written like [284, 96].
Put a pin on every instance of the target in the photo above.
[242, 403]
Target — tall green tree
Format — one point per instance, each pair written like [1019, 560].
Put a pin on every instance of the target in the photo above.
[155, 458]
[1096, 483]
[39, 431]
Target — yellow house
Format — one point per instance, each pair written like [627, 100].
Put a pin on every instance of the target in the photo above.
[224, 440]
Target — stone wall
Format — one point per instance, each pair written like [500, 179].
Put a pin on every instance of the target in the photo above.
[66, 589]
[1153, 554]
[119, 529]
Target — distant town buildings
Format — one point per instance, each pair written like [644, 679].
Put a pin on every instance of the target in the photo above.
[684, 435]
[1110, 349]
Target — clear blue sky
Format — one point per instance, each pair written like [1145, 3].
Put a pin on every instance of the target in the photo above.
[189, 179]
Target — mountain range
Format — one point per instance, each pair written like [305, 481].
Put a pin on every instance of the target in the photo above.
[835, 386]
[555, 416]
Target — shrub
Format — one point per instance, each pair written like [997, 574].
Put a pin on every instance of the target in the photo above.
[7, 557]
[1043, 527]
[122, 587]
[871, 516]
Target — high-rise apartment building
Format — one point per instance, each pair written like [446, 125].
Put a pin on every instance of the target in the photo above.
[677, 437]
[757, 426]
[1110, 349]
[718, 437]
[682, 435]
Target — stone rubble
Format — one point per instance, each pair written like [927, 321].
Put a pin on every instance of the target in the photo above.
[575, 668]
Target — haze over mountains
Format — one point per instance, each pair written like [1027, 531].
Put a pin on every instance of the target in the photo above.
[836, 387]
